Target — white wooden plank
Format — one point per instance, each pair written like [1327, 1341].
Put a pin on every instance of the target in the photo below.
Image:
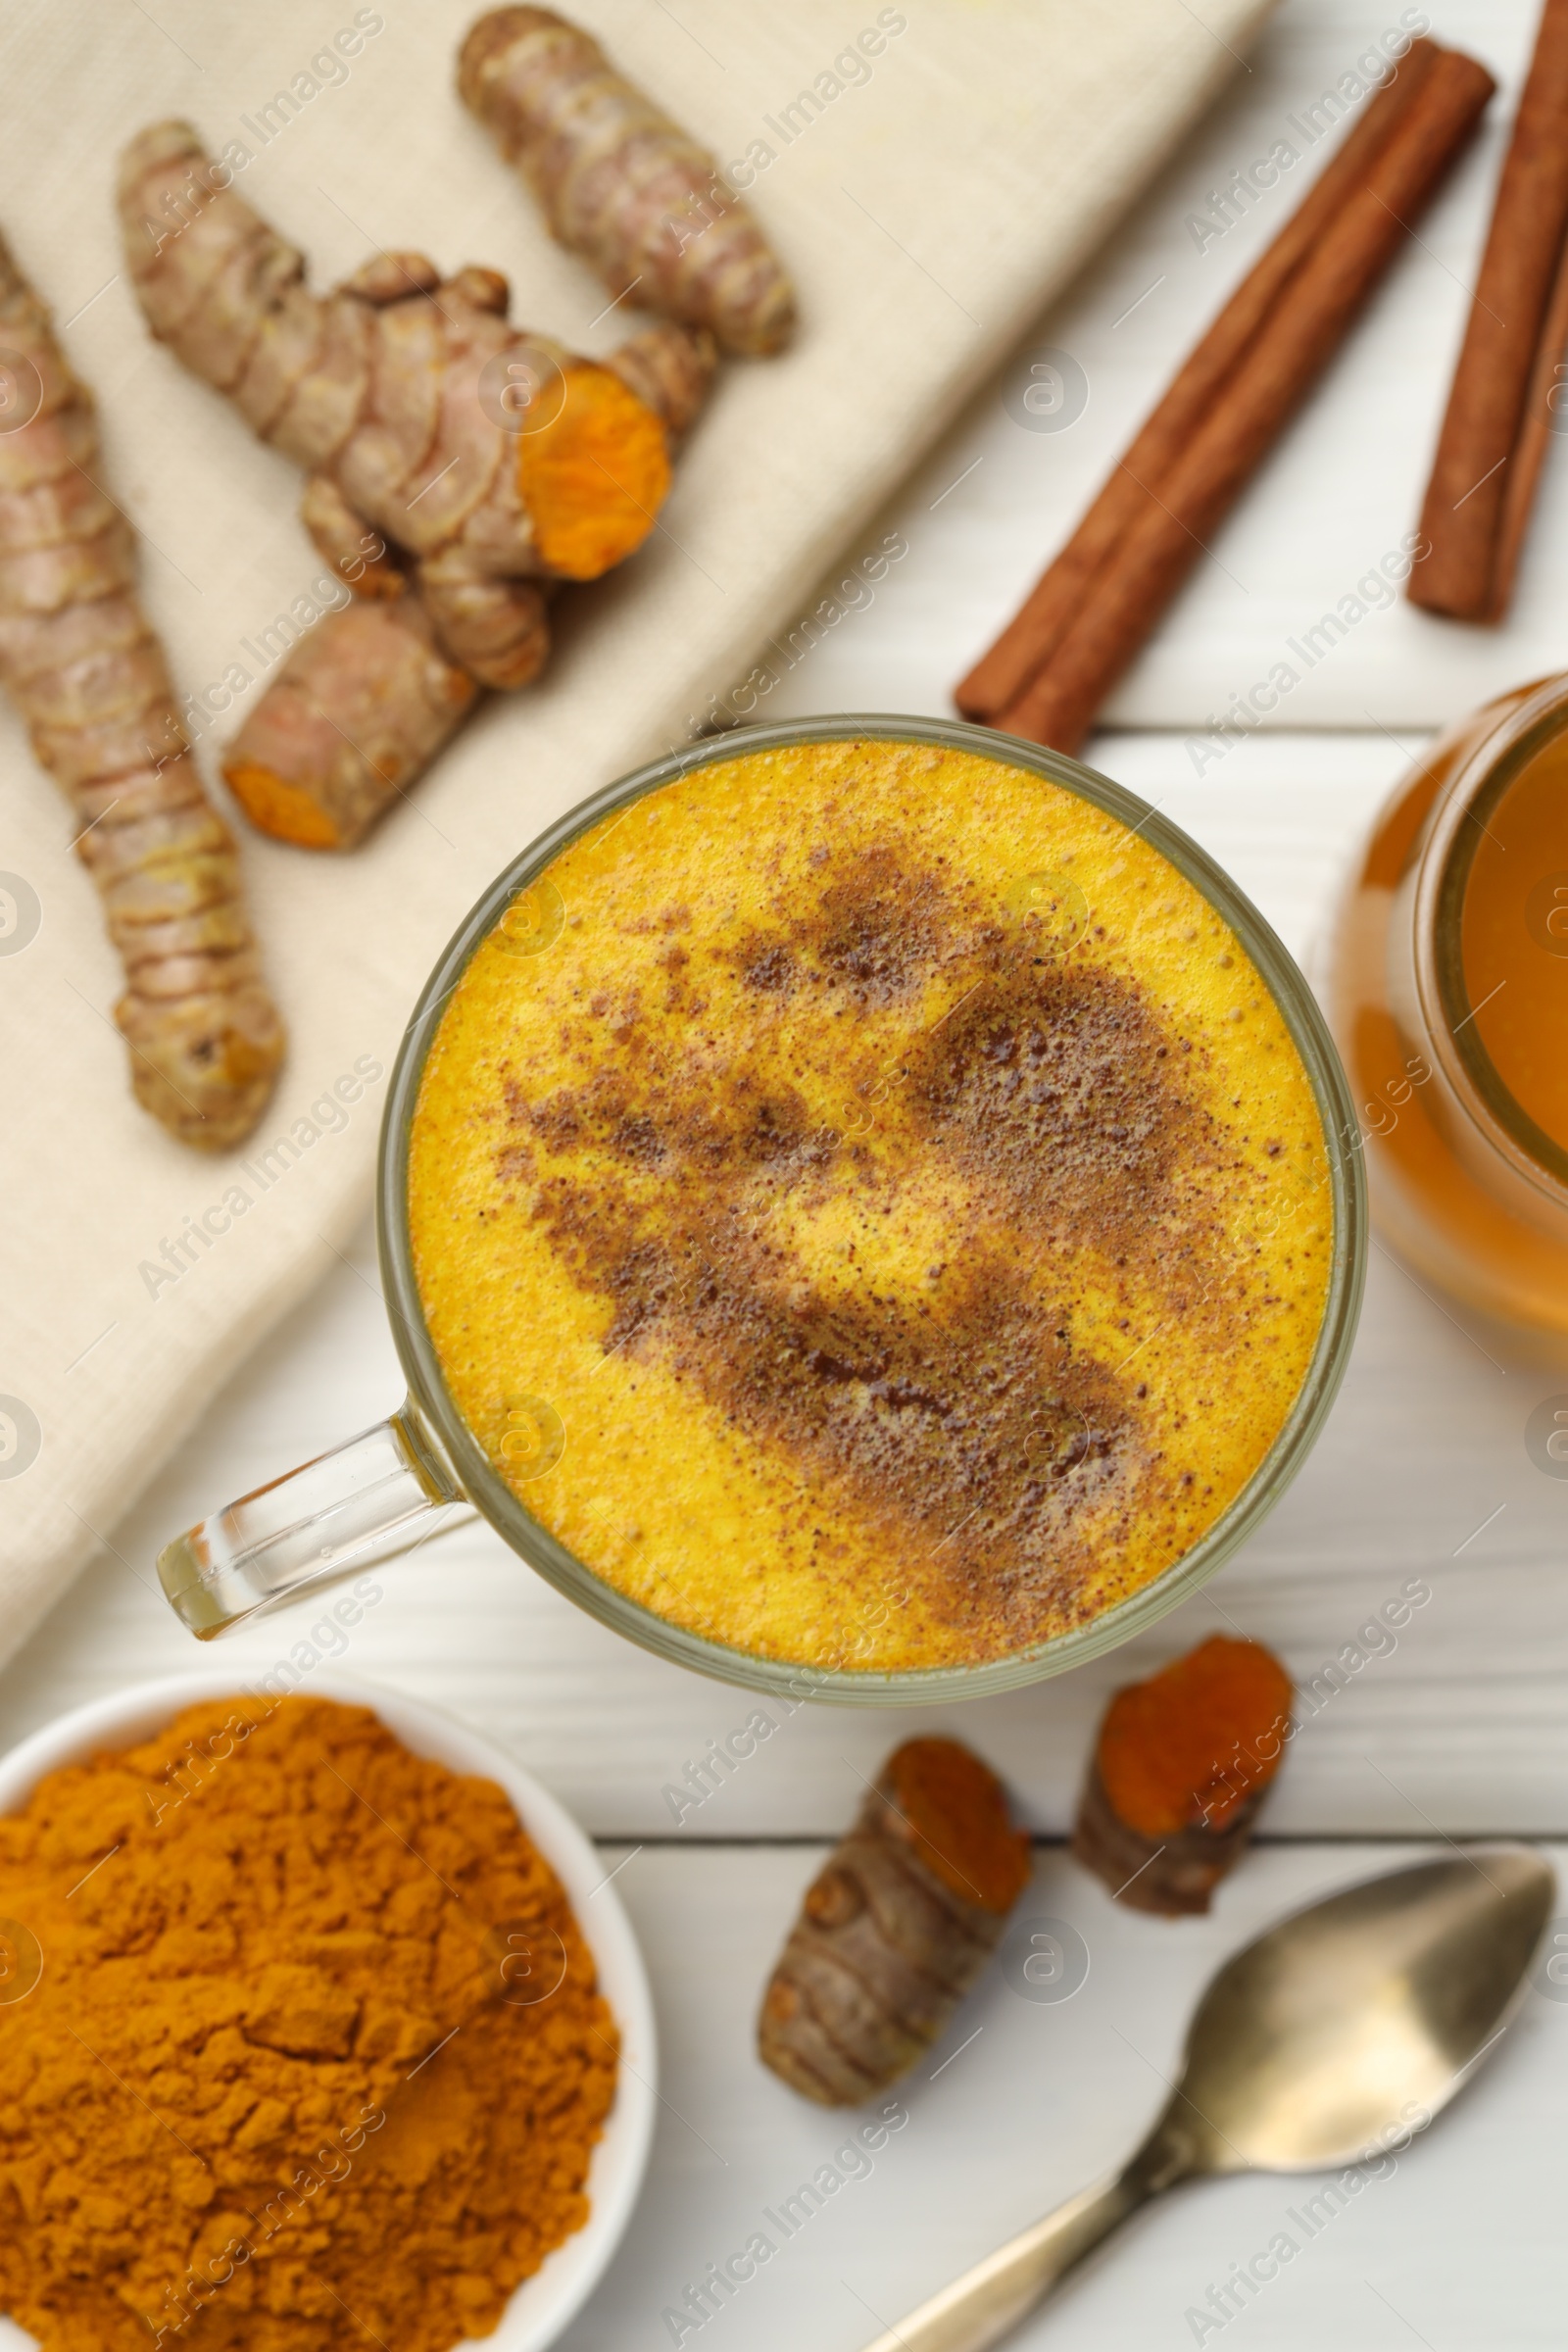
[1044, 2099]
[993, 503]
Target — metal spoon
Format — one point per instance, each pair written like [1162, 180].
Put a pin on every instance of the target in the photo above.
[1334, 2037]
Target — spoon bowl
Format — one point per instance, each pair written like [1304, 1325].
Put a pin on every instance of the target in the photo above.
[1333, 2037]
[1335, 2026]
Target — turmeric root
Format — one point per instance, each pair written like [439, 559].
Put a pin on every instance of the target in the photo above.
[622, 184]
[1179, 1770]
[895, 1927]
[83, 669]
[363, 705]
[670, 368]
[492, 463]
[355, 715]
[456, 435]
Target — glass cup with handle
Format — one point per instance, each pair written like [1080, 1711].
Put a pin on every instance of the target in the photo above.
[393, 1486]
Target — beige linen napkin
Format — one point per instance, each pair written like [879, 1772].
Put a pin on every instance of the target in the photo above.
[928, 199]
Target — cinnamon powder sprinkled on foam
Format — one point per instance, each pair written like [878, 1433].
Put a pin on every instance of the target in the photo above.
[913, 1278]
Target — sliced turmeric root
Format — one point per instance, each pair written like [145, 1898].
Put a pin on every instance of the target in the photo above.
[1180, 1768]
[595, 475]
[357, 713]
[895, 1927]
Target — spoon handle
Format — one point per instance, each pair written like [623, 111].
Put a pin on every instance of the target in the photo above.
[982, 2306]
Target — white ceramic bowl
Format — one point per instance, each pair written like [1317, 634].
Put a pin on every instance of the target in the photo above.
[543, 2306]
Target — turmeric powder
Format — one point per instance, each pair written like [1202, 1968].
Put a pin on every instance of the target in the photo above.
[1179, 1770]
[301, 2044]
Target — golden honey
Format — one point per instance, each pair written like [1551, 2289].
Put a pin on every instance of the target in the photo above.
[868, 1206]
[1514, 940]
[1449, 991]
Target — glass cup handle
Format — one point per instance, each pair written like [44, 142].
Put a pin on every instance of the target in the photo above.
[386, 1491]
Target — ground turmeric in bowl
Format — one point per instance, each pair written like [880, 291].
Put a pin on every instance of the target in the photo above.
[299, 2043]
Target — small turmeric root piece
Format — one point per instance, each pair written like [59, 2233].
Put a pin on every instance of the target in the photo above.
[83, 669]
[621, 183]
[364, 704]
[1180, 1769]
[895, 1927]
[355, 715]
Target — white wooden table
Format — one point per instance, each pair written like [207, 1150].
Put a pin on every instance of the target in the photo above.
[1463, 1730]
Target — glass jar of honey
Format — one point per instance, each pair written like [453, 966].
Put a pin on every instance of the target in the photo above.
[1448, 997]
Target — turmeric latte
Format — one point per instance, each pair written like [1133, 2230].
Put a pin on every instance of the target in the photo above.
[868, 1206]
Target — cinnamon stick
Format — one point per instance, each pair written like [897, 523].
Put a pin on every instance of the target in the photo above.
[1292, 347]
[1545, 416]
[1473, 517]
[1000, 675]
